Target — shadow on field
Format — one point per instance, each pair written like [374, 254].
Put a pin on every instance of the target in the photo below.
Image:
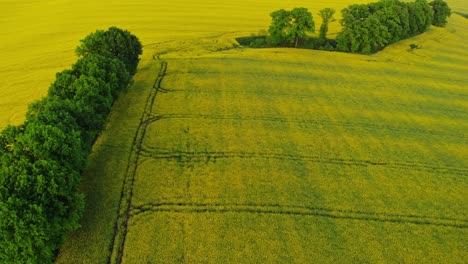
[461, 14]
[315, 43]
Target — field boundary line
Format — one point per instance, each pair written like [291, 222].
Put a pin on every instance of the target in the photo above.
[299, 211]
[123, 214]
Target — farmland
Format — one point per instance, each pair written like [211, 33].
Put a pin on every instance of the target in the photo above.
[224, 154]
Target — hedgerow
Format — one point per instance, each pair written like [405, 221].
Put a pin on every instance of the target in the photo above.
[41, 160]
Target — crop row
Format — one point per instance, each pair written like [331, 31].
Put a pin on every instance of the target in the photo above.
[213, 155]
[317, 121]
[298, 210]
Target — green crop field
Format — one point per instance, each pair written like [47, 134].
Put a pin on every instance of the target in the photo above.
[222, 154]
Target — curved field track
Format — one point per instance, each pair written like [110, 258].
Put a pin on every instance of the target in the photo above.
[221, 154]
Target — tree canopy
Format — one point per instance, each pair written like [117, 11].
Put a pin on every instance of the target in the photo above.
[441, 12]
[327, 16]
[289, 27]
[114, 42]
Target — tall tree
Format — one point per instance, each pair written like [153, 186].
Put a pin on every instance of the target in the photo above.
[302, 22]
[327, 16]
[420, 16]
[114, 42]
[366, 35]
[289, 27]
[441, 12]
[280, 27]
[110, 70]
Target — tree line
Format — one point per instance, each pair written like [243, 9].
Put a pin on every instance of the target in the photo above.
[366, 27]
[370, 27]
[42, 159]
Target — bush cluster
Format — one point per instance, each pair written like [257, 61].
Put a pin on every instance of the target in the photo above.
[370, 27]
[41, 160]
[367, 28]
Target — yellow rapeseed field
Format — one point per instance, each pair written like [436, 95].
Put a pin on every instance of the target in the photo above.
[222, 154]
[39, 37]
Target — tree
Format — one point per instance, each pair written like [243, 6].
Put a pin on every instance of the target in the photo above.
[354, 13]
[302, 23]
[280, 27]
[366, 35]
[290, 26]
[110, 70]
[39, 200]
[394, 17]
[441, 12]
[113, 43]
[420, 16]
[61, 87]
[60, 113]
[327, 16]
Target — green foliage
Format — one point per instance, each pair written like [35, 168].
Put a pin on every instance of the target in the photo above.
[113, 43]
[441, 12]
[110, 70]
[366, 36]
[41, 160]
[370, 27]
[393, 14]
[354, 13]
[280, 26]
[420, 16]
[303, 22]
[327, 16]
[290, 26]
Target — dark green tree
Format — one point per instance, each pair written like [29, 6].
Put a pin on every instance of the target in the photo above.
[370, 27]
[112, 71]
[39, 202]
[392, 14]
[441, 12]
[62, 114]
[420, 16]
[61, 87]
[354, 13]
[113, 43]
[289, 27]
[327, 16]
[302, 23]
[366, 35]
[91, 100]
[280, 27]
